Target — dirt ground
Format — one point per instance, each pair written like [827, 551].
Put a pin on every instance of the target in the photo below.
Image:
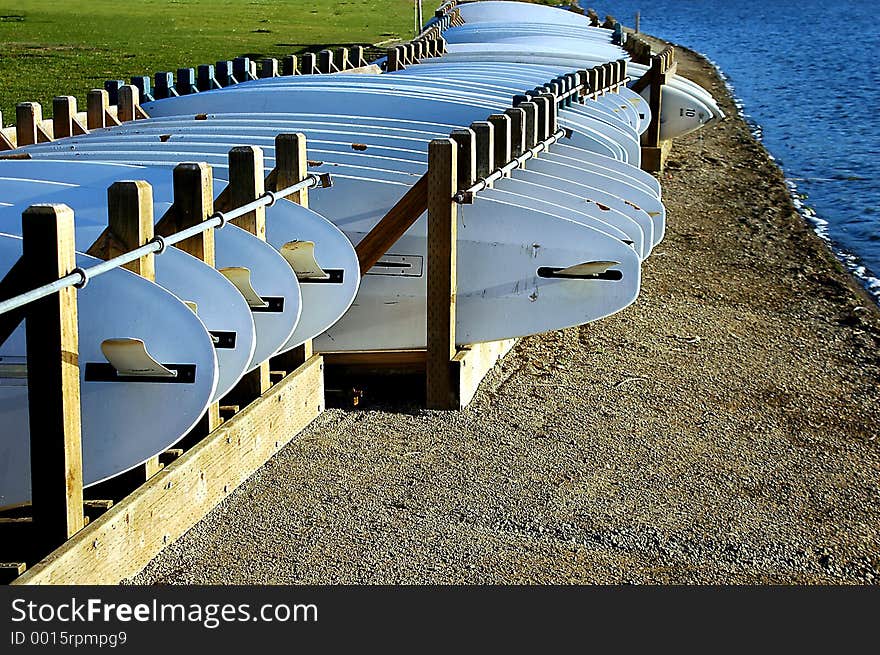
[721, 430]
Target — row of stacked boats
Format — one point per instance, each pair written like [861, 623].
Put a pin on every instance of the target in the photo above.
[582, 202]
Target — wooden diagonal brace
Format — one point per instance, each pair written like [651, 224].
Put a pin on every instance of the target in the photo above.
[393, 225]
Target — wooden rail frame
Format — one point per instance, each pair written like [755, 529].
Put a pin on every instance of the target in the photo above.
[176, 489]
[662, 67]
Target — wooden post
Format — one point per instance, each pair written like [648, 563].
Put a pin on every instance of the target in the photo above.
[309, 64]
[63, 113]
[530, 123]
[517, 116]
[53, 377]
[552, 111]
[268, 67]
[501, 133]
[394, 62]
[97, 101]
[246, 184]
[291, 166]
[466, 157]
[357, 56]
[638, 21]
[129, 99]
[326, 64]
[651, 137]
[130, 214]
[441, 265]
[27, 117]
[484, 140]
[343, 62]
[193, 204]
[289, 65]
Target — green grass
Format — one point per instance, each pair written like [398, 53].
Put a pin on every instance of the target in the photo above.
[67, 47]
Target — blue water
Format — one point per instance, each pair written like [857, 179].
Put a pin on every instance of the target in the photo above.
[807, 76]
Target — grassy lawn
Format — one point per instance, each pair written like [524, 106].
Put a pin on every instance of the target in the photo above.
[67, 47]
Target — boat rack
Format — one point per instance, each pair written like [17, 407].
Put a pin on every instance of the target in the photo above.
[662, 67]
[458, 169]
[118, 102]
[103, 539]
[110, 531]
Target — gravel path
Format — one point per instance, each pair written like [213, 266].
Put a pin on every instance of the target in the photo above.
[722, 430]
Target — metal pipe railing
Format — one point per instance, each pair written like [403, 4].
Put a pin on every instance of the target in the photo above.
[157, 245]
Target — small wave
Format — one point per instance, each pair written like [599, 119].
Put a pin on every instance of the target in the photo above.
[852, 262]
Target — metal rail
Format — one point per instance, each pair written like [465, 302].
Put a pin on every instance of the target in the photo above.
[157, 245]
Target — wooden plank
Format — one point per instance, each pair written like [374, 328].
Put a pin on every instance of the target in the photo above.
[393, 225]
[472, 363]
[246, 184]
[120, 543]
[377, 358]
[443, 183]
[53, 376]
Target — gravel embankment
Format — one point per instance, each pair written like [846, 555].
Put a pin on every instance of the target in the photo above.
[721, 430]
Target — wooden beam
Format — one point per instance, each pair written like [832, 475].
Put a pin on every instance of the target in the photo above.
[393, 225]
[120, 543]
[53, 376]
[443, 183]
